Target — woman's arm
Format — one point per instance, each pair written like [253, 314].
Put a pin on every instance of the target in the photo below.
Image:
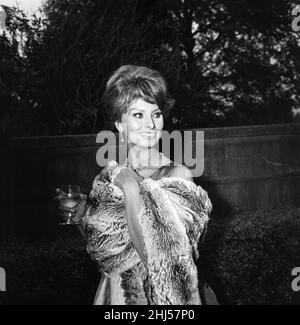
[131, 192]
[182, 172]
[79, 211]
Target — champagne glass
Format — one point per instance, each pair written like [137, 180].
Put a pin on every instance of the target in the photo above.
[70, 197]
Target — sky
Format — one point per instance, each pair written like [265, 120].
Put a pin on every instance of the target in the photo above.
[29, 6]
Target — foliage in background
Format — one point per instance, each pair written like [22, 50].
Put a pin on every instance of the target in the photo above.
[227, 62]
[246, 259]
[249, 258]
[17, 113]
[57, 272]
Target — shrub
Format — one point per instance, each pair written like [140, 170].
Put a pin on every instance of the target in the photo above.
[248, 258]
[56, 272]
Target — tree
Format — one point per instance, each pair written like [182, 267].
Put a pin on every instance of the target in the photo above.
[83, 43]
[239, 63]
[227, 62]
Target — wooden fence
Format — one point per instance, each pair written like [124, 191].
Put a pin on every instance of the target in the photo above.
[245, 167]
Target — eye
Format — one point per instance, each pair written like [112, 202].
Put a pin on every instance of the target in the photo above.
[140, 115]
[158, 114]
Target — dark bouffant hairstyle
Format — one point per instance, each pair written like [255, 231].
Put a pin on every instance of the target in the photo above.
[131, 82]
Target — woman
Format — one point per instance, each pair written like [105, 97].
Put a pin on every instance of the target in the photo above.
[145, 216]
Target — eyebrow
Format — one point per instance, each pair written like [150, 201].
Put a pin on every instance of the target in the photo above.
[140, 109]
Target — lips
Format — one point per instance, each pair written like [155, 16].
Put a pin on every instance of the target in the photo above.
[148, 134]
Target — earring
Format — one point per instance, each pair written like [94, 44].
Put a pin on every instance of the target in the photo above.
[121, 136]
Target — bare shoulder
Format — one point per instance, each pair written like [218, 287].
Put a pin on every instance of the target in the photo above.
[182, 172]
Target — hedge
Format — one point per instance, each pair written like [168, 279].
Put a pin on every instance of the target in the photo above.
[54, 272]
[247, 259]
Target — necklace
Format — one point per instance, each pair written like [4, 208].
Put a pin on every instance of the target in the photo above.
[141, 167]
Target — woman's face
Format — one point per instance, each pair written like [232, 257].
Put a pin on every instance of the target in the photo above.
[142, 124]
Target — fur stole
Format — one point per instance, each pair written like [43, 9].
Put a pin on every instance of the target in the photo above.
[173, 216]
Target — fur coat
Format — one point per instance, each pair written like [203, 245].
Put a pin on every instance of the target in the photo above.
[173, 215]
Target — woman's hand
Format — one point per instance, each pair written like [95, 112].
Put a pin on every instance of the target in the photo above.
[78, 211]
[126, 176]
